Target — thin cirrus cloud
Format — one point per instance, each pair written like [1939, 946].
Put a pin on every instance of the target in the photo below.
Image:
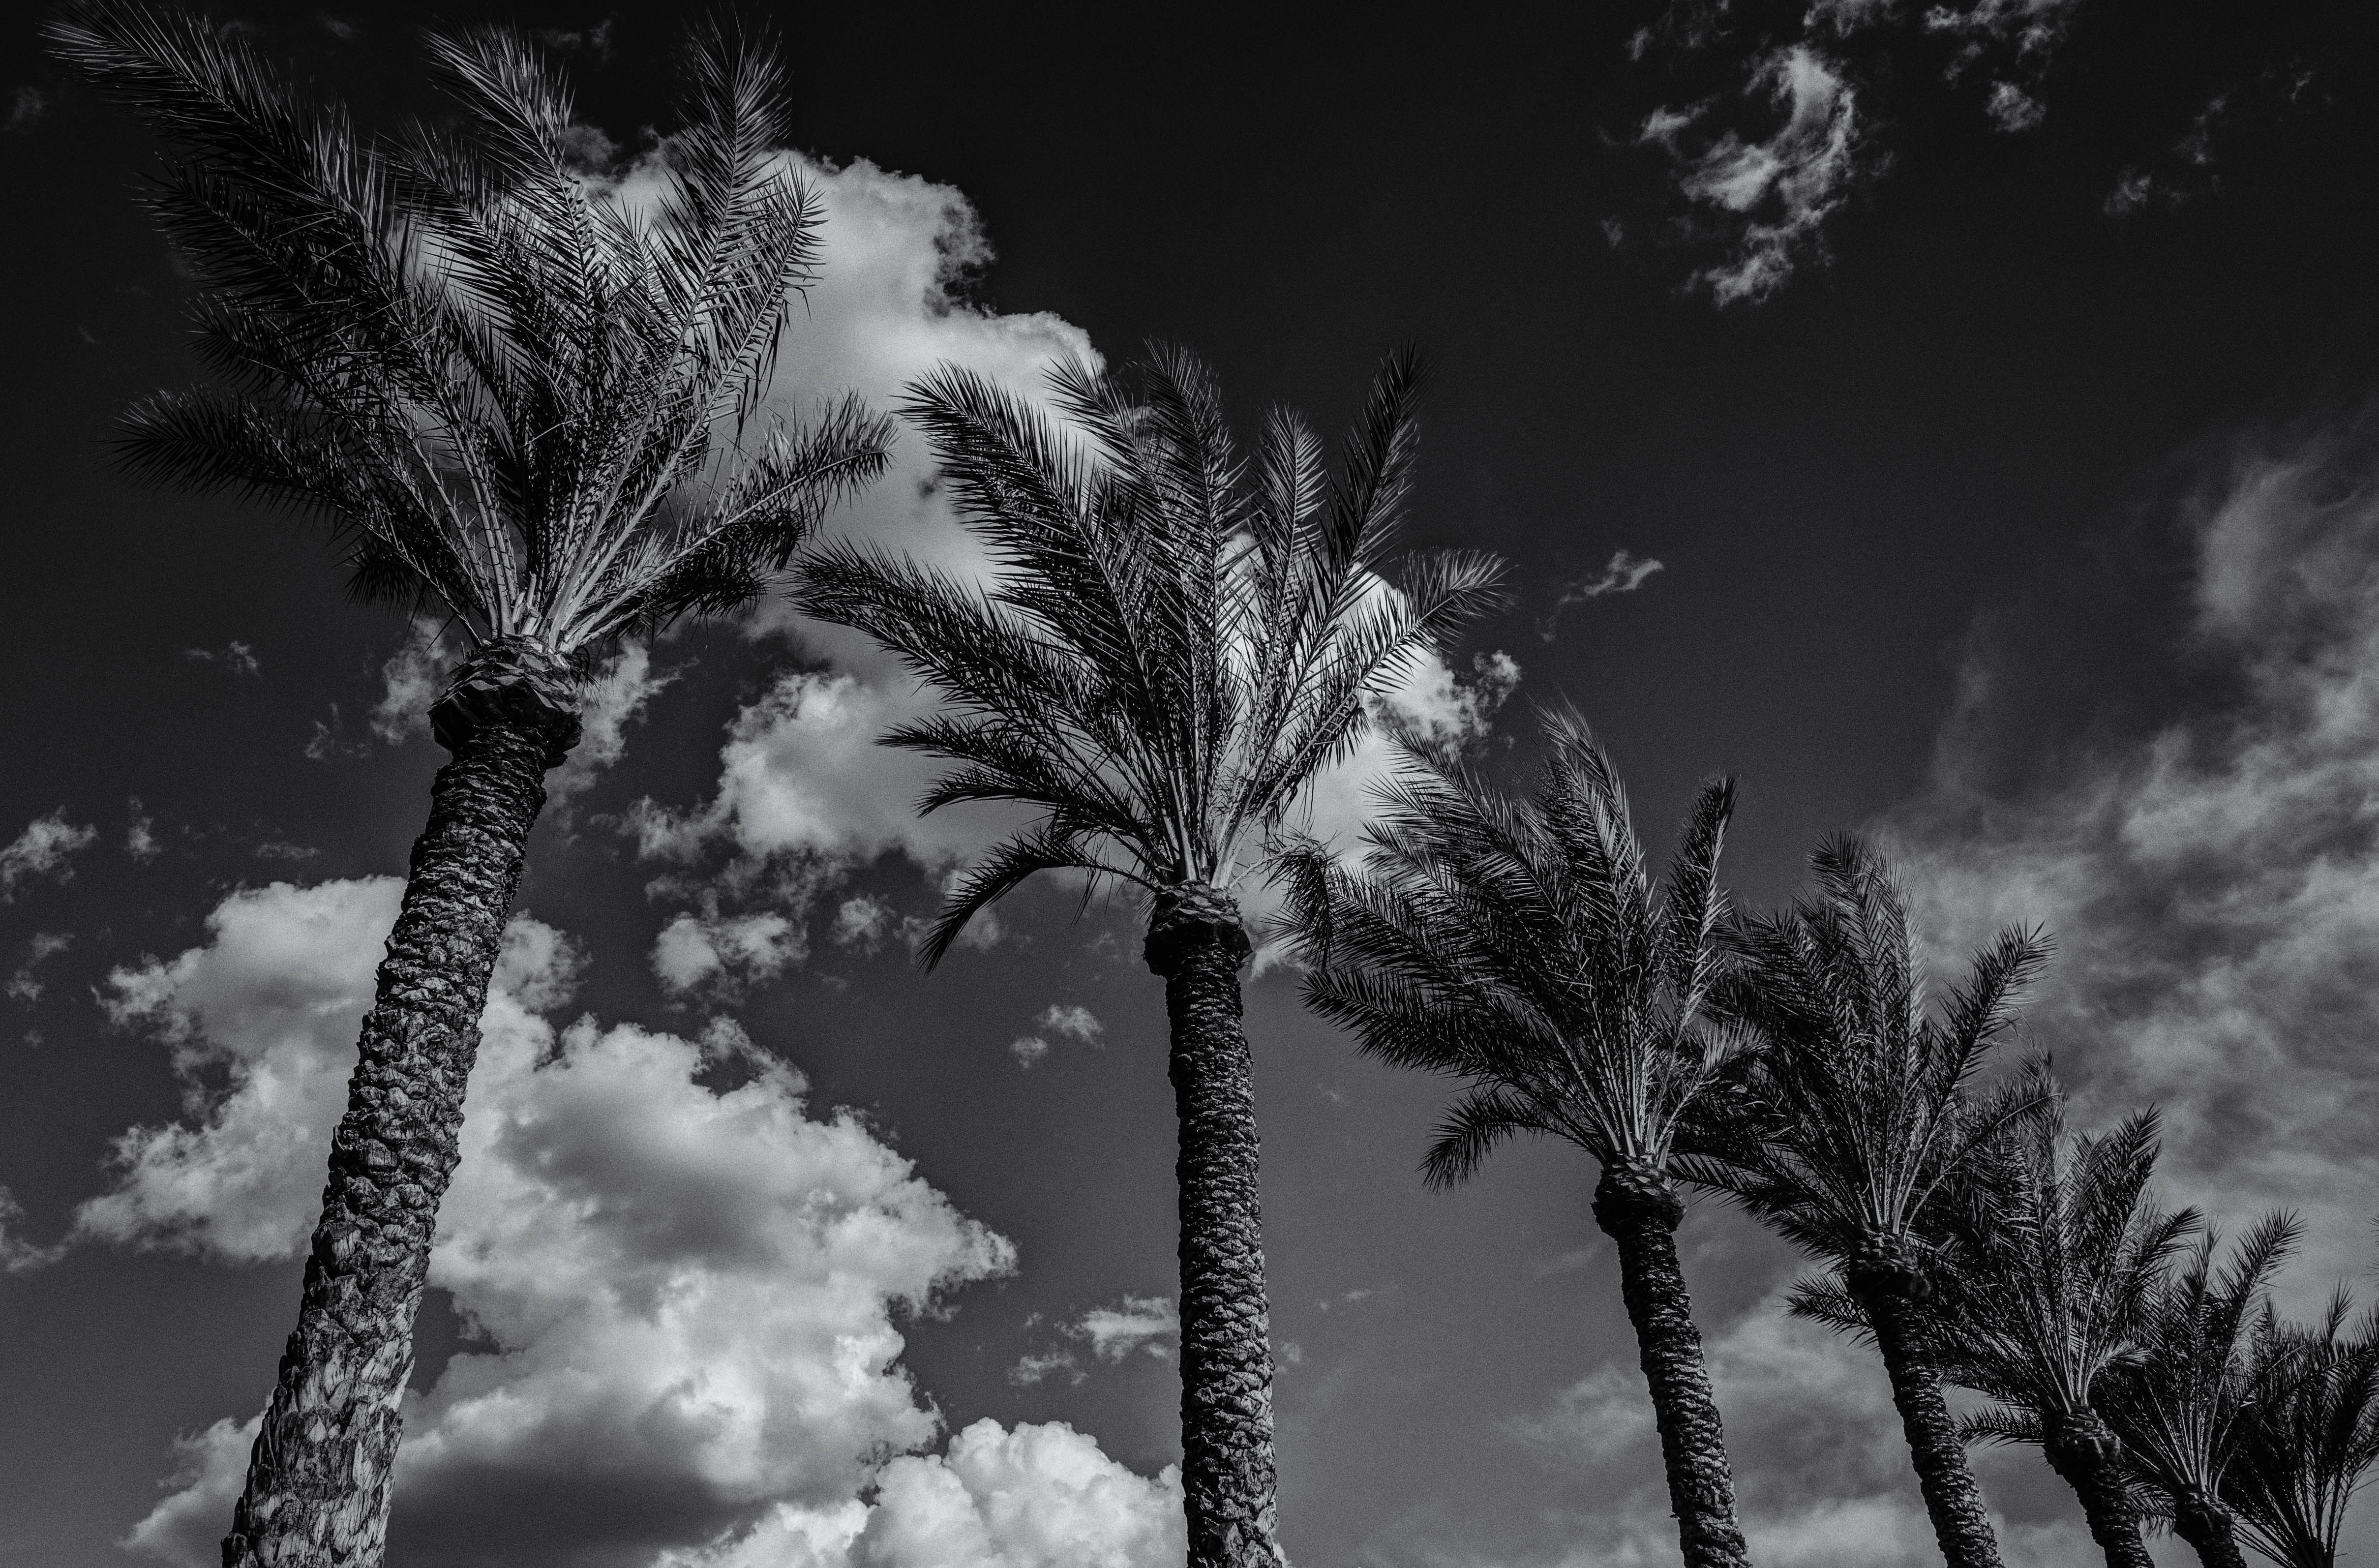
[1143, 1325]
[2208, 864]
[1623, 574]
[680, 1296]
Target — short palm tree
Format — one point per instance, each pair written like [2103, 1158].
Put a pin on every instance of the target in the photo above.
[1175, 640]
[2061, 1251]
[1518, 946]
[2311, 1438]
[1850, 1118]
[519, 398]
[2182, 1408]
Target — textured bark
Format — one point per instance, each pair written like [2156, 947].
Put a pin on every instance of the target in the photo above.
[2208, 1527]
[1639, 1210]
[1952, 1501]
[1195, 942]
[2083, 1449]
[317, 1490]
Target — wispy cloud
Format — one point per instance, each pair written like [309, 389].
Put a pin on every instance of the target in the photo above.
[237, 658]
[44, 850]
[1143, 1325]
[1061, 1021]
[1623, 574]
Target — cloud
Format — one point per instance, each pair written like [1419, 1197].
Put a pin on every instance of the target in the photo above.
[411, 678]
[47, 848]
[25, 110]
[611, 701]
[16, 1255]
[23, 985]
[693, 949]
[2013, 109]
[140, 833]
[2200, 836]
[238, 658]
[678, 1284]
[1623, 574]
[1774, 193]
[1150, 1324]
[1066, 1023]
[861, 921]
[1041, 1496]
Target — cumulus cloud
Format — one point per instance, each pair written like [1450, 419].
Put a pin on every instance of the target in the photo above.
[140, 833]
[614, 699]
[411, 678]
[1147, 1325]
[679, 1285]
[1075, 1023]
[45, 849]
[694, 950]
[861, 921]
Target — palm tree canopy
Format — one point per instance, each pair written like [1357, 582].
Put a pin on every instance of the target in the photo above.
[2310, 1438]
[1852, 1109]
[2060, 1254]
[514, 388]
[1176, 636]
[1520, 945]
[2182, 1406]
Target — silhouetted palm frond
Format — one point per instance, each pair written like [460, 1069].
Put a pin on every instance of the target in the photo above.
[2311, 1436]
[1176, 636]
[515, 387]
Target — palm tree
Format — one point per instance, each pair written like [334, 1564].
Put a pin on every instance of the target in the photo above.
[2184, 1406]
[521, 398]
[1519, 946]
[1843, 1126]
[2061, 1252]
[2309, 1440]
[1175, 640]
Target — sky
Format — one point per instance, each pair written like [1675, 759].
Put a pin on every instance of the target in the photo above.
[1961, 422]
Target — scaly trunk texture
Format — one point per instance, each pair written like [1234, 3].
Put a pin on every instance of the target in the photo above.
[2206, 1525]
[1195, 943]
[1960, 1525]
[2083, 1449]
[1639, 1210]
[318, 1492]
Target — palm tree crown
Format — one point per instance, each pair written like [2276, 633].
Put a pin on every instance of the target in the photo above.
[1178, 635]
[2060, 1254]
[2184, 1405]
[1520, 945]
[1853, 1113]
[2312, 1436]
[516, 388]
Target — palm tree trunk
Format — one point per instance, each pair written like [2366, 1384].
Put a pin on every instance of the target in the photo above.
[1639, 1210]
[2208, 1527]
[1195, 943]
[1960, 1525]
[2081, 1449]
[318, 1492]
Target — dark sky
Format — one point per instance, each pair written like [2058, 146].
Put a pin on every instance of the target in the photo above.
[1995, 393]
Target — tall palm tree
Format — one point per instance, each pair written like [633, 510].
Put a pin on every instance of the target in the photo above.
[2061, 1253]
[2182, 1408]
[2311, 1438]
[521, 399]
[1852, 1115]
[1518, 946]
[1175, 640]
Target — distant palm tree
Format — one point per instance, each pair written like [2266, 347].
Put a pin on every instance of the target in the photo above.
[2311, 1438]
[2182, 1408]
[1174, 641]
[2061, 1253]
[522, 398]
[1843, 1127]
[1519, 946]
